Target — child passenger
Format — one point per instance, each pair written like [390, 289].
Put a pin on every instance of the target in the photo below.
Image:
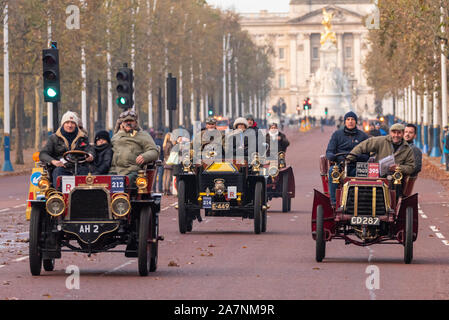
[103, 154]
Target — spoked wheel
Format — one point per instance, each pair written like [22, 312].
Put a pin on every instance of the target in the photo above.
[320, 241]
[154, 243]
[408, 241]
[34, 247]
[144, 247]
[285, 197]
[49, 264]
[182, 210]
[258, 208]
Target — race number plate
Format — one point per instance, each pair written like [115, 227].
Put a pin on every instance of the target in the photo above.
[117, 184]
[365, 221]
[207, 202]
[221, 206]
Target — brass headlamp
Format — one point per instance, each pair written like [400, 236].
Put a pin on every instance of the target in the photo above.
[120, 205]
[255, 162]
[55, 204]
[397, 175]
[281, 157]
[336, 175]
[142, 182]
[44, 182]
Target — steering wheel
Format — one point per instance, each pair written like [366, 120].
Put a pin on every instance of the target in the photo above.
[76, 156]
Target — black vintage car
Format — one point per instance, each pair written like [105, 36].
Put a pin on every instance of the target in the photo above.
[92, 214]
[222, 188]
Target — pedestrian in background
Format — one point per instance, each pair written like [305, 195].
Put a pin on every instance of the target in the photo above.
[160, 169]
[167, 146]
[446, 146]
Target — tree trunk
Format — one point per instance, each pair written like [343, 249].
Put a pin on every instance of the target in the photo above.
[20, 110]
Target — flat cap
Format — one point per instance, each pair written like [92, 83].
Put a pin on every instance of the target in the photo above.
[397, 127]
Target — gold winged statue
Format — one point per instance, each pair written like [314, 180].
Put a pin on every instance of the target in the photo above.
[327, 34]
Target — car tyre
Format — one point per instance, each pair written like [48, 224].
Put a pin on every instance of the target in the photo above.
[154, 242]
[182, 210]
[285, 198]
[264, 221]
[49, 264]
[35, 254]
[408, 237]
[258, 208]
[144, 246]
[320, 241]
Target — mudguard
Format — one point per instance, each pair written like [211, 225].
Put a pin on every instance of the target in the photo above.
[403, 204]
[329, 217]
[291, 180]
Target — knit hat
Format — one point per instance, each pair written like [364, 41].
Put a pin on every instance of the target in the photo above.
[128, 115]
[351, 114]
[240, 121]
[250, 117]
[102, 135]
[397, 127]
[70, 116]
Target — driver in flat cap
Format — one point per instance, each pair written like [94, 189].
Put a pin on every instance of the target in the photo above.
[384, 146]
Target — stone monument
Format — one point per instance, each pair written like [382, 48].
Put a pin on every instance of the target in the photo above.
[329, 87]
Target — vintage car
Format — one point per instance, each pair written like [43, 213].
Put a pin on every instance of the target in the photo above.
[280, 181]
[223, 188]
[92, 214]
[369, 209]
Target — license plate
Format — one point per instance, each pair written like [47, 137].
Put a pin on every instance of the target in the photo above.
[207, 202]
[365, 221]
[221, 206]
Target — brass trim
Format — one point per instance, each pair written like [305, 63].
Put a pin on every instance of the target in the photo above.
[374, 201]
[55, 195]
[356, 200]
[91, 222]
[344, 196]
[90, 179]
[121, 196]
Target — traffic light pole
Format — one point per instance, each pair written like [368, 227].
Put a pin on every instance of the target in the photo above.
[55, 116]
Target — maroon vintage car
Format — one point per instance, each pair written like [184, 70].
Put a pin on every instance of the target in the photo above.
[369, 209]
[280, 181]
[92, 214]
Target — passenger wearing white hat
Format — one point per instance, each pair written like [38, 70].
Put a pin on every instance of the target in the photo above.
[67, 138]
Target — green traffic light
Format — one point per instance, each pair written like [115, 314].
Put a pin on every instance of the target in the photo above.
[121, 101]
[51, 93]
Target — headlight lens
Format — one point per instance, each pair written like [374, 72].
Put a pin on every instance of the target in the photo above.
[141, 183]
[55, 205]
[120, 206]
[273, 171]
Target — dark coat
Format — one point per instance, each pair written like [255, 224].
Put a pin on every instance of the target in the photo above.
[344, 141]
[283, 143]
[57, 145]
[103, 159]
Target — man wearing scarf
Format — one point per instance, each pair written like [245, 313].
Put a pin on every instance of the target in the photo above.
[67, 138]
[344, 140]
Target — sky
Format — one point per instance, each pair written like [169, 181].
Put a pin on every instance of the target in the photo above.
[252, 5]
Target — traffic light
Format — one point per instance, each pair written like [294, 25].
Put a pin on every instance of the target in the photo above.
[307, 104]
[125, 88]
[325, 111]
[52, 87]
[211, 112]
[171, 92]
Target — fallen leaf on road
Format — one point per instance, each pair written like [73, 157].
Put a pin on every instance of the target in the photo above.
[6, 283]
[46, 295]
[173, 264]
[430, 235]
[316, 268]
[190, 263]
[244, 247]
[211, 246]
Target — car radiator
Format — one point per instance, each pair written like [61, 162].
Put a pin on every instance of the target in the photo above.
[365, 203]
[89, 204]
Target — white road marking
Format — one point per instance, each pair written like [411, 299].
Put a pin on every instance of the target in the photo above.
[420, 211]
[423, 216]
[21, 259]
[19, 206]
[446, 242]
[434, 229]
[439, 235]
[3, 210]
[120, 267]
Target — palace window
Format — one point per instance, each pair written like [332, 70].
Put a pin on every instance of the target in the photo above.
[281, 53]
[282, 81]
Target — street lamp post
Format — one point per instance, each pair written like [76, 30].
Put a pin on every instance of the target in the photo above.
[7, 166]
